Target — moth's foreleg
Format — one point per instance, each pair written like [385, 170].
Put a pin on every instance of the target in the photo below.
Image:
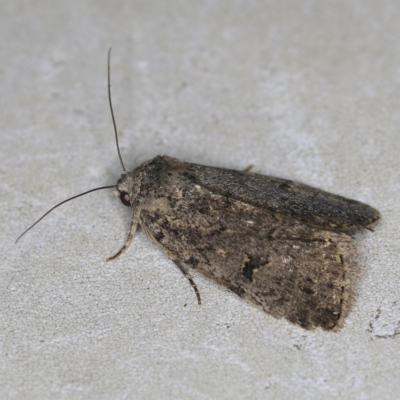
[185, 272]
[248, 169]
[134, 225]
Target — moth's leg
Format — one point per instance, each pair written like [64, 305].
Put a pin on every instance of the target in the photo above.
[185, 272]
[248, 169]
[132, 231]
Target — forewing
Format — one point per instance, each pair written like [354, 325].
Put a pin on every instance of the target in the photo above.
[281, 265]
[314, 206]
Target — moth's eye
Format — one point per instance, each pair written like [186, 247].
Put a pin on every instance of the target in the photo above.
[125, 199]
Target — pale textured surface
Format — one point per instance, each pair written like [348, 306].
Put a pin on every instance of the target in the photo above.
[307, 90]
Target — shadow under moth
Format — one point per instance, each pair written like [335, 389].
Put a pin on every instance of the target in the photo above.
[283, 246]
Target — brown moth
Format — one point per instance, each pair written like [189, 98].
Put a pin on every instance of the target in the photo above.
[283, 246]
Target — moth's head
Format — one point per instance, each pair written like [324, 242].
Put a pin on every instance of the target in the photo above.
[128, 187]
[124, 188]
[132, 187]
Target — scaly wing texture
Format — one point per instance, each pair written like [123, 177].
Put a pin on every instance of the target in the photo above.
[281, 265]
[314, 206]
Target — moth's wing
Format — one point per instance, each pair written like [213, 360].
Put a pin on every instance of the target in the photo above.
[287, 268]
[314, 206]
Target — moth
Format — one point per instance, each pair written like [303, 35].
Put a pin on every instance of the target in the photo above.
[283, 246]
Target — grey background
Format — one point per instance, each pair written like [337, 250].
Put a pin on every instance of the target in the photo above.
[305, 90]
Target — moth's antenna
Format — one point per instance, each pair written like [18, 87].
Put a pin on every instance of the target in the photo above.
[59, 204]
[112, 112]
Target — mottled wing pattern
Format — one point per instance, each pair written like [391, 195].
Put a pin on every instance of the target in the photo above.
[285, 267]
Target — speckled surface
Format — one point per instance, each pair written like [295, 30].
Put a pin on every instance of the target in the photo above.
[306, 90]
